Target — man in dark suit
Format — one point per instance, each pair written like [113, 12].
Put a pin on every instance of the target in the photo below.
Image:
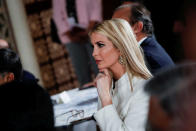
[139, 18]
[25, 106]
[26, 75]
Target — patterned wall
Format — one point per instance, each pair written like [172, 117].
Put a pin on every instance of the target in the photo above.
[56, 69]
[6, 31]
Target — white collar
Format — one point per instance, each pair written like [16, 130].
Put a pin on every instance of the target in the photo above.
[140, 42]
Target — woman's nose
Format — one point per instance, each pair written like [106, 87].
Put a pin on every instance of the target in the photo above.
[94, 52]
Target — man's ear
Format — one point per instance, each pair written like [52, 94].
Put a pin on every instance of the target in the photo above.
[137, 27]
[9, 77]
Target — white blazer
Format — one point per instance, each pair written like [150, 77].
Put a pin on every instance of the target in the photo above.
[129, 109]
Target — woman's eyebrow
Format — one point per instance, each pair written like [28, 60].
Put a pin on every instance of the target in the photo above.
[99, 42]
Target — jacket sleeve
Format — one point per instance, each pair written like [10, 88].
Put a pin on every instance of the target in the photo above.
[95, 10]
[60, 16]
[108, 118]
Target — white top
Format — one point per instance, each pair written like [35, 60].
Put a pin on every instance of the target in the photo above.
[129, 109]
[140, 42]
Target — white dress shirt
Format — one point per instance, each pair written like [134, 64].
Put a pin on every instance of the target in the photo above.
[140, 42]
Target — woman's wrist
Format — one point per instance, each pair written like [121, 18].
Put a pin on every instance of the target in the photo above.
[106, 101]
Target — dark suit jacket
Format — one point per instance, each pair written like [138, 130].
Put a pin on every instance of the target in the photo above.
[155, 56]
[28, 76]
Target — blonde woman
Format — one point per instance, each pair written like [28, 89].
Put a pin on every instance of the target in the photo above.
[124, 105]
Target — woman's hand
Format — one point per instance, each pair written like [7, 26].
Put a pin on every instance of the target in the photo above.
[103, 84]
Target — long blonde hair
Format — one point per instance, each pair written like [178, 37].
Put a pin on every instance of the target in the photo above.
[119, 32]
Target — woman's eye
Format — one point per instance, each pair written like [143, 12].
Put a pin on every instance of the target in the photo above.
[99, 44]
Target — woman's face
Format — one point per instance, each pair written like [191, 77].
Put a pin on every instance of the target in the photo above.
[104, 53]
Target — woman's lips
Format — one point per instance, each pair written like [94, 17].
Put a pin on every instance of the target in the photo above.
[98, 61]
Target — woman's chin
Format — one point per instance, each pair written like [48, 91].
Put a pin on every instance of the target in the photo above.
[102, 67]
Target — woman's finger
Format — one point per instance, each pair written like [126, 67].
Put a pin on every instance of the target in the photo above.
[99, 75]
[106, 72]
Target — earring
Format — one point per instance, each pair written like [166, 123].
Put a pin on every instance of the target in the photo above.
[121, 60]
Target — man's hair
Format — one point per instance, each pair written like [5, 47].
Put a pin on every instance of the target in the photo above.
[141, 13]
[138, 12]
[25, 106]
[170, 79]
[10, 63]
